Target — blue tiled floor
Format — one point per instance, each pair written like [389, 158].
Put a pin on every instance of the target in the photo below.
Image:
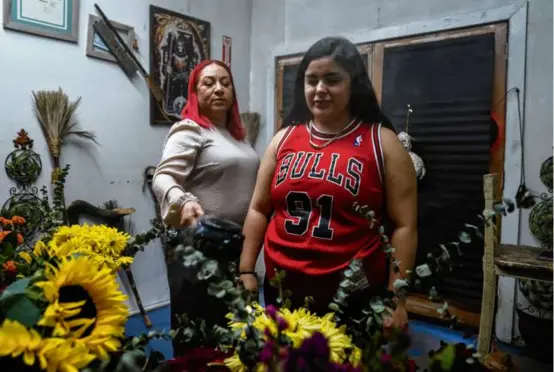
[160, 321]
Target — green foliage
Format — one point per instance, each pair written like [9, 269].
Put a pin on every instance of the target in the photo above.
[138, 242]
[8, 247]
[16, 305]
[54, 215]
[218, 279]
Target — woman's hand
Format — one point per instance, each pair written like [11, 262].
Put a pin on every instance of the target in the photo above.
[400, 316]
[190, 212]
[397, 320]
[250, 282]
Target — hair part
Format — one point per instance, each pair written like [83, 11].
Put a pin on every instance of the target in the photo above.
[363, 102]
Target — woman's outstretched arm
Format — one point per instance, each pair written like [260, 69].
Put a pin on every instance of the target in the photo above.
[258, 215]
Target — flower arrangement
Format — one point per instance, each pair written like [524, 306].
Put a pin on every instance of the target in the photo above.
[296, 336]
[10, 239]
[287, 339]
[62, 308]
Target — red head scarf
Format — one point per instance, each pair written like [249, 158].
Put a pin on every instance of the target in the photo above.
[192, 110]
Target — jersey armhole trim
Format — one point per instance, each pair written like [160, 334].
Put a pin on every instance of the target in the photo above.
[378, 151]
[381, 153]
[283, 140]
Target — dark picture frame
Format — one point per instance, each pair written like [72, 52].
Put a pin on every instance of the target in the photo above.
[177, 44]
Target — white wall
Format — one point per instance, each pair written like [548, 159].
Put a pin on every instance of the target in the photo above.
[278, 26]
[113, 107]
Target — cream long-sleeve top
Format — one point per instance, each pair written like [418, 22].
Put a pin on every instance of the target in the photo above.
[211, 165]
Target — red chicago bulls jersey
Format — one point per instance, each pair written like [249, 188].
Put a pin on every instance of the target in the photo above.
[314, 229]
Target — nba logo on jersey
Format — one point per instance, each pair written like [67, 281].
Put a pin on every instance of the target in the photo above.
[358, 141]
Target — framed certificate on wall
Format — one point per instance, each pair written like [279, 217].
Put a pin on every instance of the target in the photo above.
[57, 19]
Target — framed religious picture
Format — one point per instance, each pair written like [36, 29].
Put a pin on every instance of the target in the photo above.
[177, 44]
[57, 19]
[96, 47]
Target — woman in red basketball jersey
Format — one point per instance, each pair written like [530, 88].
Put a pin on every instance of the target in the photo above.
[337, 148]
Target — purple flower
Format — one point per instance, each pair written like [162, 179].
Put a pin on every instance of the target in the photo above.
[266, 355]
[386, 359]
[313, 355]
[271, 311]
[301, 364]
[282, 324]
[316, 346]
[343, 368]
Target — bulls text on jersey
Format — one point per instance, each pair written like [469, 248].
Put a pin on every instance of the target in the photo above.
[301, 164]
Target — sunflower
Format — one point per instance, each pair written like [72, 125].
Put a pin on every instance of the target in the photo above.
[52, 354]
[64, 355]
[40, 249]
[301, 324]
[261, 320]
[16, 340]
[85, 304]
[106, 244]
[234, 364]
[26, 257]
[112, 262]
[339, 342]
[62, 235]
[114, 241]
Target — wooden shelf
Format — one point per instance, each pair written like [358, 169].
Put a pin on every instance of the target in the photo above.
[420, 305]
[520, 261]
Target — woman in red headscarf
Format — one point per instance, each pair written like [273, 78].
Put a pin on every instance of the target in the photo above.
[206, 168]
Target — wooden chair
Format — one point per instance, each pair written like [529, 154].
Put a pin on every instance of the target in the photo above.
[515, 261]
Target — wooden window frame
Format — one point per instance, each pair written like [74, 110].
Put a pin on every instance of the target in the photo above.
[280, 64]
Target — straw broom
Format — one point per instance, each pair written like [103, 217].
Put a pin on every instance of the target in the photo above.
[56, 115]
[251, 122]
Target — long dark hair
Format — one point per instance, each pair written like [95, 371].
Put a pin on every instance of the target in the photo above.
[363, 101]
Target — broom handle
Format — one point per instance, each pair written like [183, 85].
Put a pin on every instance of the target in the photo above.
[138, 300]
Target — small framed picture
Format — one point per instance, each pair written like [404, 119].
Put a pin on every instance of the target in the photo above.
[96, 47]
[56, 19]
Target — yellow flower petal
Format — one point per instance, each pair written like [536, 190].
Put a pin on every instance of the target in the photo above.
[26, 257]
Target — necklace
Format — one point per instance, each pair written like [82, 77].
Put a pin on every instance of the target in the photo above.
[331, 140]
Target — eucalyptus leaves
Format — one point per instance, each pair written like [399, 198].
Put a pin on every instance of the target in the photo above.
[435, 265]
